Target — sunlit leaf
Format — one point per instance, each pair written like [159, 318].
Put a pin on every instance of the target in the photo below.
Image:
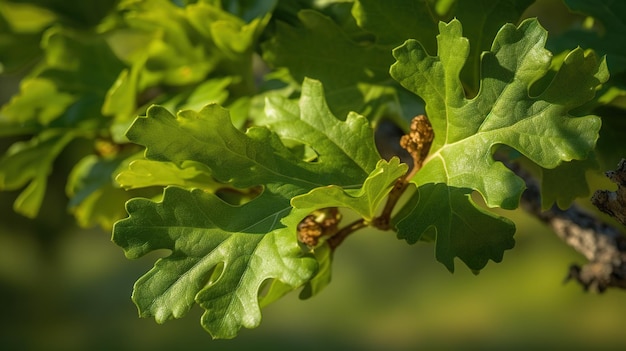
[222, 254]
[366, 201]
[468, 130]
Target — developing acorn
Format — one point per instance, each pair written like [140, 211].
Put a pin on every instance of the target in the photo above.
[321, 224]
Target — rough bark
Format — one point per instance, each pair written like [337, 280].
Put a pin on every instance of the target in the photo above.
[602, 244]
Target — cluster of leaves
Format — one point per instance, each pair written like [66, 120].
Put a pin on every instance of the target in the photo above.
[92, 79]
[254, 115]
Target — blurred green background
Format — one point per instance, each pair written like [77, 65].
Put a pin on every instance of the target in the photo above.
[67, 288]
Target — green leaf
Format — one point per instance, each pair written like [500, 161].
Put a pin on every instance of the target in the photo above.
[171, 45]
[80, 63]
[563, 184]
[210, 91]
[247, 245]
[342, 147]
[324, 257]
[459, 227]
[467, 131]
[120, 99]
[612, 16]
[258, 156]
[223, 254]
[20, 38]
[319, 49]
[482, 20]
[365, 201]
[146, 173]
[69, 87]
[60, 101]
[39, 101]
[393, 23]
[30, 162]
[231, 35]
[94, 200]
[160, 38]
[602, 31]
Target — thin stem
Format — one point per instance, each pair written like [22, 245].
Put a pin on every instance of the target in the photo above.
[382, 222]
[335, 240]
[417, 143]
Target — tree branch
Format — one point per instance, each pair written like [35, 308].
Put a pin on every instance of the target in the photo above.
[603, 245]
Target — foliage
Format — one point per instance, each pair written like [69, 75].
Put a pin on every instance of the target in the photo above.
[257, 122]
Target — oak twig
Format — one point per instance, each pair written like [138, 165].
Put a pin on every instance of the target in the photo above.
[417, 144]
[603, 245]
[335, 240]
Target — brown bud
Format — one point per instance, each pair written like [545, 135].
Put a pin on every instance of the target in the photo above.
[319, 224]
[419, 139]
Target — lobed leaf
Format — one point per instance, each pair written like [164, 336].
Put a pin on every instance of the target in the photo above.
[341, 147]
[460, 229]
[318, 48]
[365, 201]
[602, 32]
[565, 183]
[467, 131]
[29, 163]
[393, 23]
[222, 254]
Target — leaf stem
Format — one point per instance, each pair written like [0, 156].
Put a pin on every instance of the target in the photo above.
[382, 222]
[417, 143]
[335, 240]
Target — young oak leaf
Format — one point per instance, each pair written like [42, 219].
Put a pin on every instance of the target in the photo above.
[467, 131]
[222, 254]
[365, 200]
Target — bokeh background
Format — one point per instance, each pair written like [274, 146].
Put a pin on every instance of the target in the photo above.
[68, 288]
